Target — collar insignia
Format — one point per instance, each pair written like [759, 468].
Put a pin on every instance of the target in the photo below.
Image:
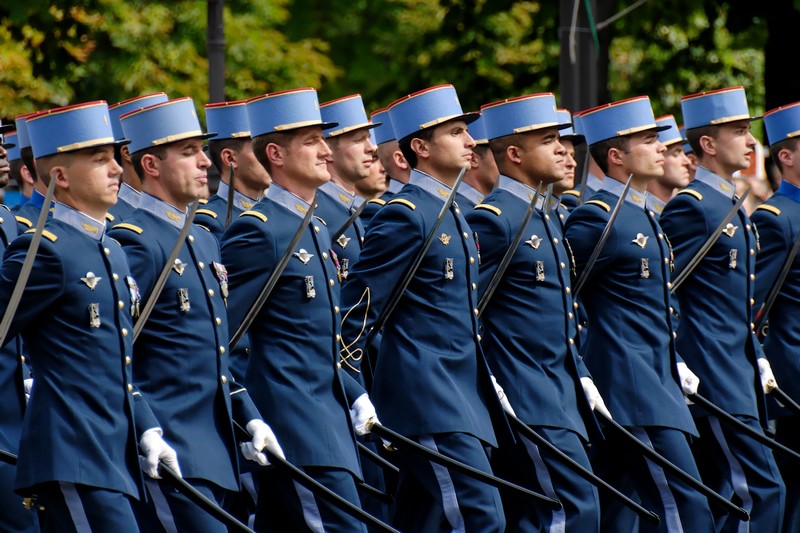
[246, 204]
[89, 228]
[725, 187]
[443, 193]
[300, 207]
[172, 216]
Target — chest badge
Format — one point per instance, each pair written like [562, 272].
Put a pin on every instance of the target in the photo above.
[179, 267]
[91, 280]
[343, 240]
[730, 230]
[534, 241]
[640, 240]
[136, 296]
[311, 292]
[183, 300]
[303, 256]
[539, 270]
[449, 273]
[732, 258]
[444, 238]
[644, 267]
[222, 276]
[94, 315]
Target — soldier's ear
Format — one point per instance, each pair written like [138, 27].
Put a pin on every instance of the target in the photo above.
[708, 144]
[228, 157]
[786, 157]
[615, 156]
[126, 154]
[421, 148]
[150, 165]
[400, 160]
[275, 155]
[513, 154]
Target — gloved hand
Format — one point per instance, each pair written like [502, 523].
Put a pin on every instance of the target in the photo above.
[689, 380]
[155, 449]
[501, 394]
[27, 384]
[361, 412]
[593, 395]
[263, 437]
[767, 377]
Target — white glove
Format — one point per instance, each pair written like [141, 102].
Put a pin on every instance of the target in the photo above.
[155, 449]
[27, 384]
[501, 394]
[689, 380]
[767, 377]
[361, 412]
[593, 396]
[263, 437]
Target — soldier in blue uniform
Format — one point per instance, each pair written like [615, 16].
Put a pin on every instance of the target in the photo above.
[75, 317]
[27, 215]
[377, 182]
[539, 367]
[15, 166]
[130, 187]
[715, 334]
[568, 139]
[397, 169]
[182, 352]
[778, 222]
[676, 167]
[630, 348]
[292, 371]
[431, 381]
[594, 177]
[481, 177]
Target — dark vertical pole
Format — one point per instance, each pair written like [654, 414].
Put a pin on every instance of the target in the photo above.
[578, 87]
[215, 37]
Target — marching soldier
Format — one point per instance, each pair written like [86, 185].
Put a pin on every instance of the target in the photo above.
[83, 402]
[431, 381]
[17, 170]
[715, 334]
[377, 182]
[130, 187]
[27, 215]
[629, 347]
[539, 367]
[594, 176]
[778, 222]
[568, 139]
[482, 175]
[293, 370]
[676, 167]
[182, 352]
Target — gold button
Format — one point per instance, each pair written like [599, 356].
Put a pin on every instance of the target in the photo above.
[661, 236]
[572, 341]
[555, 241]
[201, 265]
[221, 350]
[471, 260]
[331, 282]
[749, 227]
[218, 320]
[752, 301]
[561, 216]
[580, 328]
[107, 251]
[479, 338]
[752, 326]
[475, 311]
[191, 238]
[474, 286]
[666, 260]
[339, 366]
[115, 276]
[127, 359]
[669, 284]
[211, 292]
[335, 308]
[563, 266]
[224, 379]
[458, 211]
[324, 255]
[338, 337]
[316, 229]
[121, 304]
[570, 315]
[130, 387]
[568, 290]
[671, 310]
[752, 277]
[575, 305]
[674, 334]
[752, 252]
[22, 358]
[652, 214]
[547, 217]
[124, 332]
[466, 235]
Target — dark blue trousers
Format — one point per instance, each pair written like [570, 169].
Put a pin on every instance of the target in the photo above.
[71, 508]
[788, 433]
[15, 517]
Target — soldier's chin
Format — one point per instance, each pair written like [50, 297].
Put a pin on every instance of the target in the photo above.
[3, 179]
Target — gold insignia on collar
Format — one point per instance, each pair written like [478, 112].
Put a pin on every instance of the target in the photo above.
[343, 240]
[173, 216]
[636, 197]
[300, 207]
[534, 241]
[246, 204]
[725, 187]
[91, 280]
[179, 267]
[303, 256]
[640, 240]
[444, 238]
[89, 227]
[443, 193]
[730, 230]
[344, 198]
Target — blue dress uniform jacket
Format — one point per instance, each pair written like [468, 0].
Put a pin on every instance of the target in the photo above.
[714, 335]
[431, 375]
[28, 214]
[373, 205]
[334, 206]
[211, 214]
[292, 371]
[634, 368]
[182, 359]
[778, 221]
[468, 197]
[79, 424]
[539, 368]
[127, 201]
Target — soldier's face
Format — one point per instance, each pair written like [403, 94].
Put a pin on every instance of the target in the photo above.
[184, 171]
[249, 170]
[450, 148]
[352, 155]
[5, 168]
[375, 184]
[543, 156]
[676, 167]
[92, 179]
[569, 165]
[645, 155]
[306, 157]
[735, 145]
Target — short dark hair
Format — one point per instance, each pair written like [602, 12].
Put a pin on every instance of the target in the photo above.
[136, 157]
[216, 146]
[48, 162]
[693, 137]
[16, 171]
[789, 144]
[599, 150]
[260, 143]
[500, 145]
[405, 145]
[27, 157]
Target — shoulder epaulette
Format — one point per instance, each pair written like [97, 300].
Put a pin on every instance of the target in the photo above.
[320, 219]
[601, 204]
[691, 192]
[770, 208]
[572, 192]
[202, 201]
[6, 207]
[562, 205]
[256, 214]
[23, 220]
[377, 201]
[203, 227]
[488, 207]
[402, 201]
[208, 212]
[109, 217]
[47, 234]
[131, 227]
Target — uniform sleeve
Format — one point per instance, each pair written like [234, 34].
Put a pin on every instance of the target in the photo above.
[143, 416]
[493, 234]
[352, 389]
[584, 228]
[213, 225]
[775, 246]
[243, 410]
[685, 223]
